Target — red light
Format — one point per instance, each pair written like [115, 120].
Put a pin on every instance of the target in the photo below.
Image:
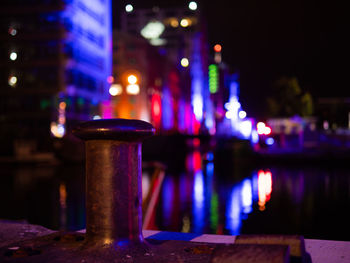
[217, 48]
[156, 109]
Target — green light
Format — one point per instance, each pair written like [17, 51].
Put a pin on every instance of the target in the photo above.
[214, 211]
[44, 104]
[80, 101]
[213, 78]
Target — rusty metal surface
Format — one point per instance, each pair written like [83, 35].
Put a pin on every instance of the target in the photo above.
[114, 129]
[113, 180]
[113, 191]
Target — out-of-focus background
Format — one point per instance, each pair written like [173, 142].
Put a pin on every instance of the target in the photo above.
[249, 101]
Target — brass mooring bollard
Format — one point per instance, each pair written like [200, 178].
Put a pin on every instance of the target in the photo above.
[113, 179]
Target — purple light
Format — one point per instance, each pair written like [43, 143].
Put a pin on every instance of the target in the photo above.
[270, 141]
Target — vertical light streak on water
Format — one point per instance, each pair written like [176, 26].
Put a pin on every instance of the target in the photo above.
[198, 202]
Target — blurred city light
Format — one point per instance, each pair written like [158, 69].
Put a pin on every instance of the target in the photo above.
[242, 114]
[115, 89]
[62, 105]
[267, 130]
[255, 136]
[12, 81]
[129, 8]
[270, 141]
[57, 130]
[213, 78]
[247, 196]
[217, 48]
[110, 79]
[12, 31]
[157, 42]
[96, 117]
[264, 188]
[13, 56]
[174, 22]
[263, 129]
[192, 5]
[152, 30]
[133, 89]
[132, 79]
[245, 127]
[184, 22]
[184, 62]
[229, 114]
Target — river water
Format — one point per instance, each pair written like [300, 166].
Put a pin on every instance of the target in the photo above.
[203, 197]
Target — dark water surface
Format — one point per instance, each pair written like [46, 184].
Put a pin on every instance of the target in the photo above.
[203, 198]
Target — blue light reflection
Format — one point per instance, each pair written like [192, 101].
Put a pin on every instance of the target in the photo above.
[198, 204]
[239, 206]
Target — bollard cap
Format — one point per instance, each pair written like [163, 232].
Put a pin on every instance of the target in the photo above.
[114, 129]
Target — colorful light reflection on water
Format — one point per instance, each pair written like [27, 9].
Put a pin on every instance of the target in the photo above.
[207, 202]
[203, 198]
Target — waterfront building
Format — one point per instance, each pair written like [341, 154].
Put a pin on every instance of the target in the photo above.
[145, 84]
[180, 34]
[55, 64]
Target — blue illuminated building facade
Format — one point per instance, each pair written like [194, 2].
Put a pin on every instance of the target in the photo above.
[55, 63]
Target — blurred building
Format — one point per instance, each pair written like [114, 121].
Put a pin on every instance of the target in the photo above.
[180, 34]
[55, 63]
[145, 84]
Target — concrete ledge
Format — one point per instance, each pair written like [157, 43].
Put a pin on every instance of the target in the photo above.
[321, 251]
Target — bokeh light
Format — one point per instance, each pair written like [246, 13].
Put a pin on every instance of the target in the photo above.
[192, 5]
[132, 79]
[13, 56]
[184, 62]
[115, 89]
[129, 8]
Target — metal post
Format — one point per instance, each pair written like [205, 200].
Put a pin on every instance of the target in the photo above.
[113, 179]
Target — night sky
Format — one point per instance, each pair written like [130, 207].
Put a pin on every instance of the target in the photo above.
[265, 40]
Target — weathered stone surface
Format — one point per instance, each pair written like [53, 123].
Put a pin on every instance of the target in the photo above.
[295, 242]
[251, 254]
[11, 231]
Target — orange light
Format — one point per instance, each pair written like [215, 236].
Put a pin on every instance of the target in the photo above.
[62, 105]
[132, 79]
[264, 188]
[217, 48]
